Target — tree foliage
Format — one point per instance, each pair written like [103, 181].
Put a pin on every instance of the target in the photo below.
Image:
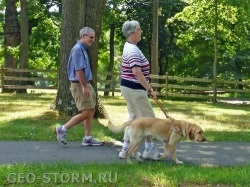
[44, 30]
[186, 35]
[195, 33]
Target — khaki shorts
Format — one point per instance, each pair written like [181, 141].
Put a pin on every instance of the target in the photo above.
[83, 102]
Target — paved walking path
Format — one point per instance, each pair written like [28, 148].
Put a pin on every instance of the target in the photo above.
[207, 153]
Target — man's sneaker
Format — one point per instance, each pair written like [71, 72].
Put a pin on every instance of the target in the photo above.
[61, 135]
[122, 154]
[91, 141]
[152, 154]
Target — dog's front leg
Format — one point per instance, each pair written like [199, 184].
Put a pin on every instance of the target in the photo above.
[137, 156]
[128, 153]
[166, 150]
[173, 154]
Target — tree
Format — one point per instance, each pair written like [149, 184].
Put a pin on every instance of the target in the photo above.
[94, 15]
[75, 15]
[215, 51]
[24, 41]
[44, 33]
[12, 37]
[194, 27]
[142, 11]
[111, 41]
[38, 32]
[111, 58]
[155, 36]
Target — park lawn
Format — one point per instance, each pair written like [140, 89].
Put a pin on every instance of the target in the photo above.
[29, 117]
[160, 174]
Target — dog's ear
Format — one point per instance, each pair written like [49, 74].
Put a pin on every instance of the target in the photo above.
[191, 131]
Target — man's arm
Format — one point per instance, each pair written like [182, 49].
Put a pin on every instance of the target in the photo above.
[83, 82]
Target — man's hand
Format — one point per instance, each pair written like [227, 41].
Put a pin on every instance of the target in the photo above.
[86, 91]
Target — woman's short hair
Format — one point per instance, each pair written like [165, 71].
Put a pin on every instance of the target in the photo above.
[85, 30]
[129, 27]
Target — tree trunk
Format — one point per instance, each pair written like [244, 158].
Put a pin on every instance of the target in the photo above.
[238, 70]
[24, 43]
[154, 42]
[111, 57]
[75, 15]
[72, 20]
[93, 17]
[11, 38]
[215, 52]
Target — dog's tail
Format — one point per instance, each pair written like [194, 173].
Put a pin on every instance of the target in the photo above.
[117, 129]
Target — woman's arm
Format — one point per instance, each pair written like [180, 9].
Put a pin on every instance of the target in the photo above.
[142, 80]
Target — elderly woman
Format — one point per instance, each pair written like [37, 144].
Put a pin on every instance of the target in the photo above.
[135, 85]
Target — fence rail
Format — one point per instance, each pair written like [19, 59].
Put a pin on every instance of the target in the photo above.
[167, 86]
[187, 87]
[13, 78]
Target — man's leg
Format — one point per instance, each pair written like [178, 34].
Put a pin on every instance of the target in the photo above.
[75, 120]
[88, 122]
[61, 131]
[83, 104]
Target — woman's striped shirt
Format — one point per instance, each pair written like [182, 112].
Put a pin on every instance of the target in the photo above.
[131, 57]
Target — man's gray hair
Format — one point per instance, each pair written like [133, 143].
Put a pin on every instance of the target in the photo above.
[85, 30]
[129, 27]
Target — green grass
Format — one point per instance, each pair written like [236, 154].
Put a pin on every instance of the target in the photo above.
[147, 174]
[28, 117]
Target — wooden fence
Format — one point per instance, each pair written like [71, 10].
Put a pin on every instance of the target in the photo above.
[189, 87]
[12, 78]
[186, 87]
[167, 86]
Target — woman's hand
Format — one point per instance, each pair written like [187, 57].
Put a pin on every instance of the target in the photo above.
[153, 94]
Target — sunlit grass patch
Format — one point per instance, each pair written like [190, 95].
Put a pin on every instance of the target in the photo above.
[29, 117]
[122, 174]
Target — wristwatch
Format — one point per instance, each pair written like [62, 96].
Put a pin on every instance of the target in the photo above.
[150, 90]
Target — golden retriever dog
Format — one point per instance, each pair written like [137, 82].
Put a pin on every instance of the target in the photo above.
[167, 130]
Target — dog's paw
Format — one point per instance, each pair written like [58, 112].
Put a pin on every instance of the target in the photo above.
[139, 160]
[163, 155]
[129, 162]
[178, 162]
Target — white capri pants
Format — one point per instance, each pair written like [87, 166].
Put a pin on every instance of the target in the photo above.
[138, 103]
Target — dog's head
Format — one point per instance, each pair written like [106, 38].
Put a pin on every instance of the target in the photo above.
[195, 132]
